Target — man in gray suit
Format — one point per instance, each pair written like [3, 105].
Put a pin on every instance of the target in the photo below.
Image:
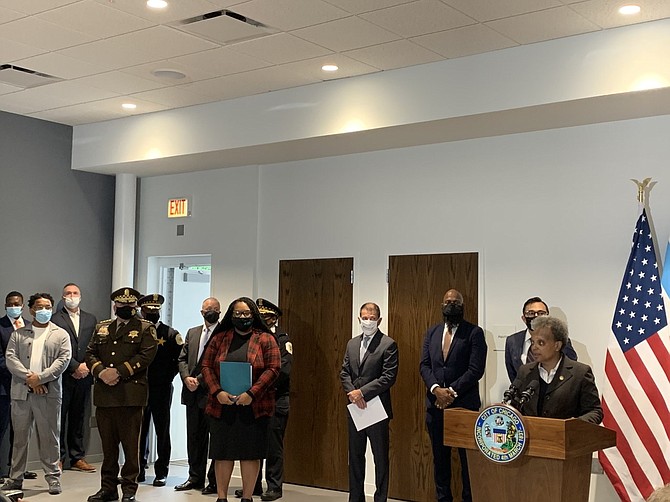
[77, 379]
[194, 397]
[369, 369]
[37, 357]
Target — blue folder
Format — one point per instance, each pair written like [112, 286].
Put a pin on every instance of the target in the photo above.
[235, 378]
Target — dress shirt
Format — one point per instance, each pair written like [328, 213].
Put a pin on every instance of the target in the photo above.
[526, 347]
[445, 333]
[204, 338]
[74, 317]
[548, 376]
[365, 343]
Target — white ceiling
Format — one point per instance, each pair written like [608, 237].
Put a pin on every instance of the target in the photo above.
[103, 52]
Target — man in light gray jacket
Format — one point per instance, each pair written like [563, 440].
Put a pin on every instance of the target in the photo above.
[37, 356]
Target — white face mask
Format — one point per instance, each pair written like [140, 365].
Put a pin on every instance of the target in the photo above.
[368, 326]
[72, 302]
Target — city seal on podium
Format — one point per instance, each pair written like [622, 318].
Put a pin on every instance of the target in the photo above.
[500, 433]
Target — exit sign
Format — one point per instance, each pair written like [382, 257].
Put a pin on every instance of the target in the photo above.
[178, 208]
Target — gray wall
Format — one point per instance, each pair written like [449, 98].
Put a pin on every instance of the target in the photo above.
[56, 224]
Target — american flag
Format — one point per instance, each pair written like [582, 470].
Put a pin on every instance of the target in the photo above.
[636, 394]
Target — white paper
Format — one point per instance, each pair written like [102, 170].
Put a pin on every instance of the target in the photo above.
[372, 414]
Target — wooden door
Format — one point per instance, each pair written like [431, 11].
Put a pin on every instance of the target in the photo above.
[417, 285]
[316, 297]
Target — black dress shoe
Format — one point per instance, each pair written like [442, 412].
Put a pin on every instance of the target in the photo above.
[141, 477]
[29, 475]
[271, 495]
[188, 485]
[209, 489]
[159, 481]
[103, 496]
[128, 498]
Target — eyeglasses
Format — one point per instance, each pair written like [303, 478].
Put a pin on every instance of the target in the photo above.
[242, 313]
[535, 313]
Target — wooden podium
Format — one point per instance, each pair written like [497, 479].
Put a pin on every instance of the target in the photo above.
[555, 466]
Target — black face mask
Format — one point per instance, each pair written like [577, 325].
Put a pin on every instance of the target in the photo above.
[452, 313]
[242, 323]
[125, 312]
[528, 321]
[152, 317]
[211, 316]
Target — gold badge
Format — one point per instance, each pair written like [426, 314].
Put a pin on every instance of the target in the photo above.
[160, 341]
[133, 334]
[289, 347]
[103, 331]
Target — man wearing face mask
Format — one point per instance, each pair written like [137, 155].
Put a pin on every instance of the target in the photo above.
[453, 359]
[194, 397]
[37, 356]
[517, 346]
[160, 374]
[369, 369]
[77, 380]
[118, 356]
[8, 324]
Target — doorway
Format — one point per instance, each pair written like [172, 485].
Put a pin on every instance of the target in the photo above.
[184, 281]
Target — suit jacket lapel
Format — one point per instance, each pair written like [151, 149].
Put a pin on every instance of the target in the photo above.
[563, 374]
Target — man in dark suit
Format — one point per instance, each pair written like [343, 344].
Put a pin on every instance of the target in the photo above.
[369, 369]
[452, 363]
[118, 356]
[77, 380]
[160, 374]
[517, 346]
[8, 324]
[194, 397]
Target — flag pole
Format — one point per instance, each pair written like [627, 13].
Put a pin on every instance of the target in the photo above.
[643, 187]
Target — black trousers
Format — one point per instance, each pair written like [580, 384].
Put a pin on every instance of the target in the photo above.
[378, 434]
[120, 424]
[442, 459]
[158, 409]
[274, 463]
[197, 445]
[76, 400]
[6, 428]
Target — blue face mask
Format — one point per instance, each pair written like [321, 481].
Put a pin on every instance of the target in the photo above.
[14, 312]
[43, 316]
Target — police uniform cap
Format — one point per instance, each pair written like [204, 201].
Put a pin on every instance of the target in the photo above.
[266, 307]
[125, 295]
[151, 302]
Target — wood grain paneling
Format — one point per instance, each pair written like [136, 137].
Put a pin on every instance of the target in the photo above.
[417, 284]
[316, 298]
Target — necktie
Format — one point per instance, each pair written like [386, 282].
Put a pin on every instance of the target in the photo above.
[17, 324]
[447, 343]
[203, 341]
[529, 355]
[364, 345]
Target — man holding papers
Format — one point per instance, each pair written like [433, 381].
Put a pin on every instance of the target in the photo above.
[369, 369]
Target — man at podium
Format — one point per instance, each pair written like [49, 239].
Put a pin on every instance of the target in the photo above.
[563, 388]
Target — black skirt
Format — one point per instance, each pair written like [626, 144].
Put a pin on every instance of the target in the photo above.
[237, 435]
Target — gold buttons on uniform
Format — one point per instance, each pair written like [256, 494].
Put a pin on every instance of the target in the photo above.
[113, 353]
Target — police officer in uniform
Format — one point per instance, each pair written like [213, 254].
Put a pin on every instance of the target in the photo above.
[118, 356]
[160, 374]
[274, 464]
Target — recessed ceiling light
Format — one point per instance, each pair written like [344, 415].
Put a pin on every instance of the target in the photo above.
[128, 106]
[330, 67]
[157, 4]
[168, 73]
[628, 10]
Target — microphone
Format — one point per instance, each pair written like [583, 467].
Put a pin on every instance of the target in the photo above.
[528, 393]
[511, 395]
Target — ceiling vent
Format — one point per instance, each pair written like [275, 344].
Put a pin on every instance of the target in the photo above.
[24, 78]
[225, 27]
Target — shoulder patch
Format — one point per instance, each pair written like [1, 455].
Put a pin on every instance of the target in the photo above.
[179, 339]
[289, 347]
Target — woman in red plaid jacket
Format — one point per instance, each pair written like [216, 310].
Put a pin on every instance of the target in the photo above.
[239, 424]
